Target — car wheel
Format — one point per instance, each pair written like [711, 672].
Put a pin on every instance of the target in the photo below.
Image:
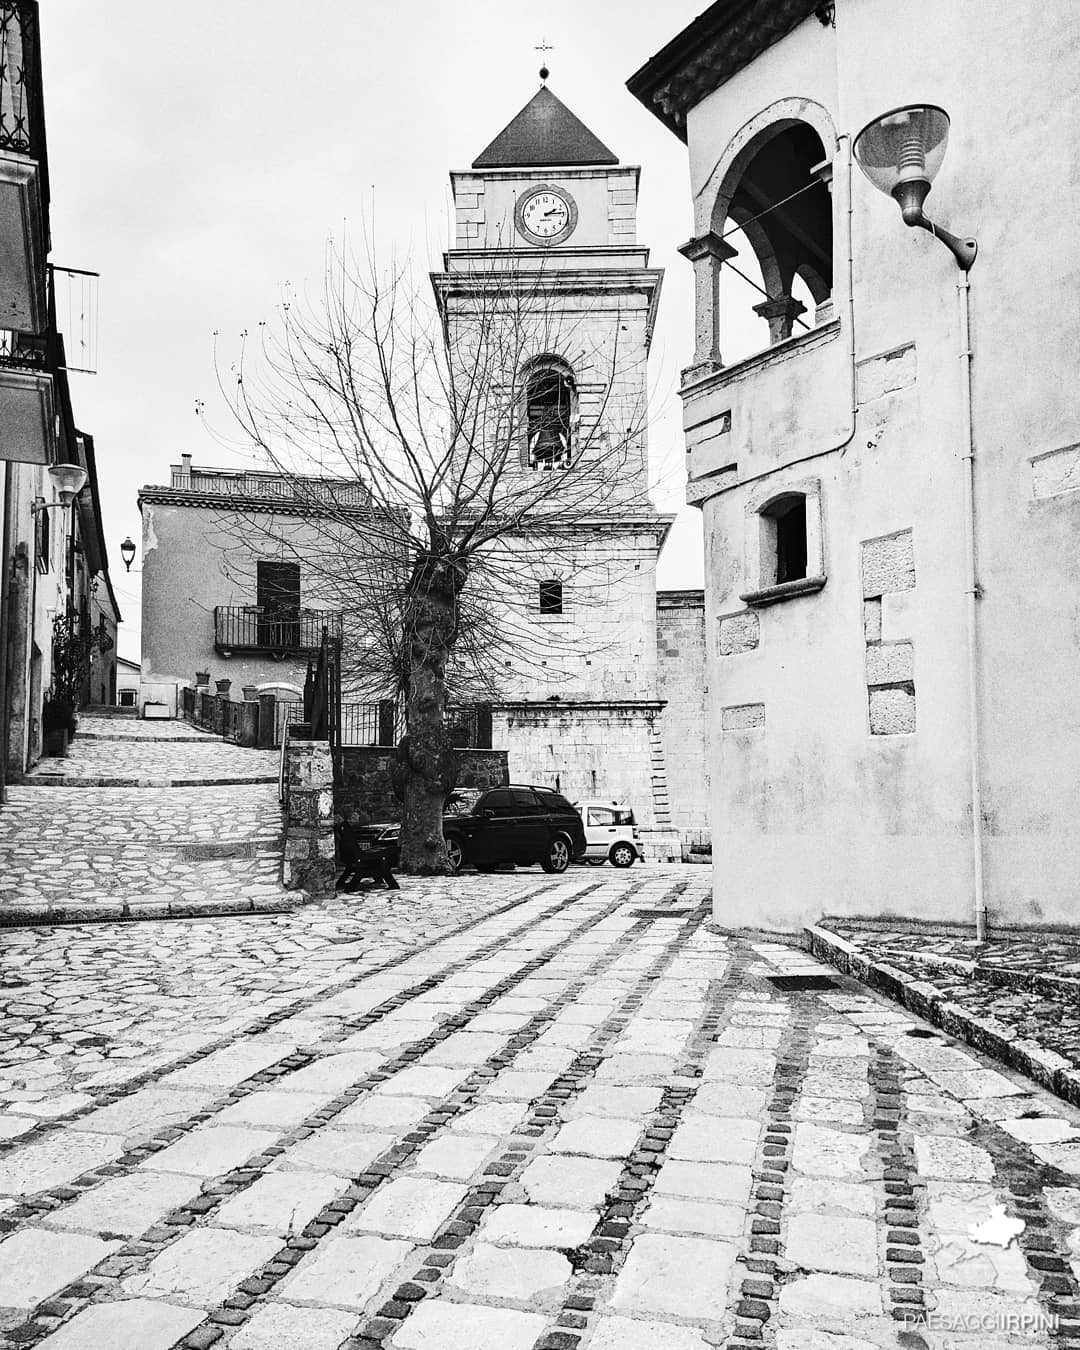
[622, 855]
[455, 855]
[557, 857]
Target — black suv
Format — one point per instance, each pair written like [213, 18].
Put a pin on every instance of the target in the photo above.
[503, 825]
[515, 824]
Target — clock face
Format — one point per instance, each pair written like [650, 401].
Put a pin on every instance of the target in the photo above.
[546, 215]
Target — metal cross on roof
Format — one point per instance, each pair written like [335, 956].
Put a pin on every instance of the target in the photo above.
[542, 47]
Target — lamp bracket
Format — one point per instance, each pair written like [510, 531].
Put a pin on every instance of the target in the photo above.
[910, 196]
[963, 250]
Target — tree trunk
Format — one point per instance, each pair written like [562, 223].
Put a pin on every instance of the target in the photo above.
[426, 758]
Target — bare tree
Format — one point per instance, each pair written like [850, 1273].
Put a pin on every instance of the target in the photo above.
[494, 432]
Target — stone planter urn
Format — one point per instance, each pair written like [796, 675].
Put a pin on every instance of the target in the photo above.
[202, 679]
[250, 693]
[223, 687]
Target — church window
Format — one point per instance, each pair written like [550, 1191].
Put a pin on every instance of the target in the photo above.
[551, 598]
[549, 403]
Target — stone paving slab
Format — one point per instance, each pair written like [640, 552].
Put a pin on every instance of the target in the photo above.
[1015, 998]
[126, 759]
[92, 725]
[463, 1217]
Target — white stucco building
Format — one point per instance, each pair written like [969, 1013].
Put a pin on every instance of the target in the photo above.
[872, 754]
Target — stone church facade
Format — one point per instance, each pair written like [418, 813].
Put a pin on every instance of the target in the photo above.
[612, 707]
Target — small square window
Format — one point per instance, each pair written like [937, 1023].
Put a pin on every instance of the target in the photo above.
[784, 545]
[551, 597]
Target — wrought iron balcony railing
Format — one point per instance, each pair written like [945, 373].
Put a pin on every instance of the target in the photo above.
[248, 628]
[23, 351]
[22, 120]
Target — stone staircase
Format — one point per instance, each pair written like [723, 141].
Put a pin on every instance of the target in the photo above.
[142, 819]
[658, 777]
[662, 841]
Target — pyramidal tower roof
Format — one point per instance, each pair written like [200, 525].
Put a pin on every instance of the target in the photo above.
[544, 132]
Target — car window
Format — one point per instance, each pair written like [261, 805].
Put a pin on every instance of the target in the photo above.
[525, 802]
[461, 801]
[623, 817]
[551, 801]
[601, 815]
[498, 800]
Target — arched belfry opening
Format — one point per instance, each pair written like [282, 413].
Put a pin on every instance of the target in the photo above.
[550, 401]
[777, 193]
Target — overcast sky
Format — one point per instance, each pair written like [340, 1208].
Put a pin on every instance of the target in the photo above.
[201, 153]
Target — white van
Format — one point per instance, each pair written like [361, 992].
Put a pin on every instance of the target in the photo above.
[610, 833]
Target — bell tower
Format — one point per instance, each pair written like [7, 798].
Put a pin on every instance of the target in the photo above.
[545, 219]
[549, 206]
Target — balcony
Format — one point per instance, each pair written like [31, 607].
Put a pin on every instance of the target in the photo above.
[28, 403]
[248, 628]
[24, 178]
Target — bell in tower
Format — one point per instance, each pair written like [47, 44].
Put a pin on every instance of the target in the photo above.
[549, 401]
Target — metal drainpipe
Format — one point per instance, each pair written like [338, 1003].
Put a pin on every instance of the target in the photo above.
[971, 596]
[5, 604]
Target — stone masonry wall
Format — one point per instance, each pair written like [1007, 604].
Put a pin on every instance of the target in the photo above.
[582, 749]
[366, 778]
[308, 863]
[680, 643]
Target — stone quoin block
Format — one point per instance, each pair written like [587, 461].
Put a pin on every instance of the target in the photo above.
[897, 615]
[887, 373]
[888, 564]
[890, 663]
[742, 717]
[739, 632]
[872, 620]
[892, 711]
[1055, 473]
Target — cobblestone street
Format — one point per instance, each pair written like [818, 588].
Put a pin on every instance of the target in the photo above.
[506, 1112]
[142, 818]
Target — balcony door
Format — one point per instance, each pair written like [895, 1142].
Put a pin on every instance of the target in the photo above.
[278, 598]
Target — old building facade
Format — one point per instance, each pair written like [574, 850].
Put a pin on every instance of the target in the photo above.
[890, 655]
[236, 577]
[58, 614]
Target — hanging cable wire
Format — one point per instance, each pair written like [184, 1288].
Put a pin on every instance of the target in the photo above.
[760, 290]
[774, 207]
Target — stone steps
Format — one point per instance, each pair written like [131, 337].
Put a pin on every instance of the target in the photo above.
[658, 777]
[142, 820]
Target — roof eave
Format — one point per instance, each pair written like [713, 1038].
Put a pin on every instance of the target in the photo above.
[719, 43]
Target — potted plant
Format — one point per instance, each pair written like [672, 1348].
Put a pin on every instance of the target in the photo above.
[57, 725]
[223, 687]
[202, 679]
[250, 692]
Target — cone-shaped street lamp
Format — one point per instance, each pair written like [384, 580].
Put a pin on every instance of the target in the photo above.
[901, 152]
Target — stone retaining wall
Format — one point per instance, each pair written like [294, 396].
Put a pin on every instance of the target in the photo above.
[366, 778]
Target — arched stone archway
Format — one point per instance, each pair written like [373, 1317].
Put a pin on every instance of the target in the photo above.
[772, 181]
